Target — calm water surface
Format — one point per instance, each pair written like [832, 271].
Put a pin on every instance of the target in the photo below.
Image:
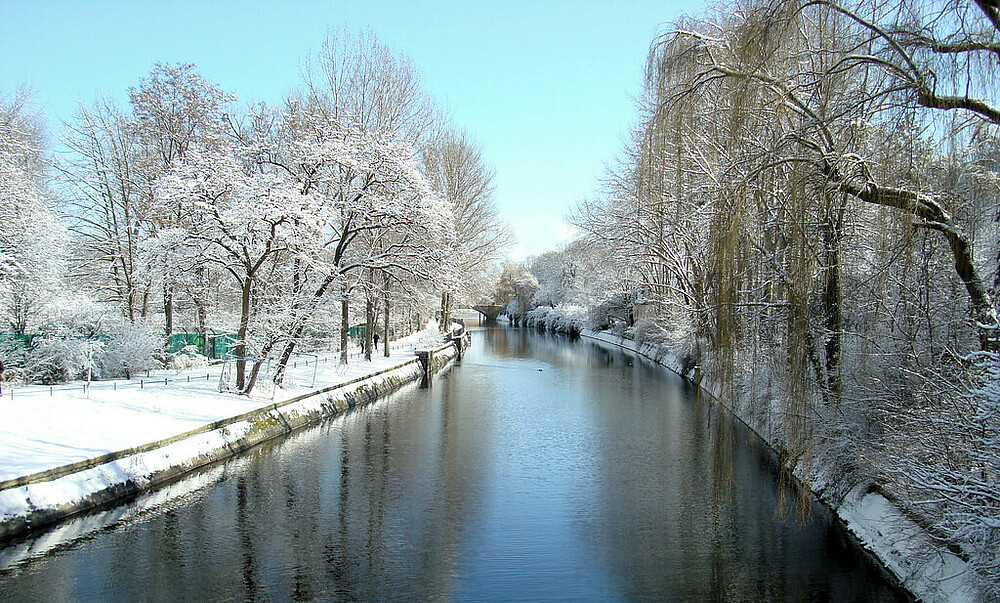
[538, 470]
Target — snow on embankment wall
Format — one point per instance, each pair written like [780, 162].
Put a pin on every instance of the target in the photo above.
[921, 565]
[45, 498]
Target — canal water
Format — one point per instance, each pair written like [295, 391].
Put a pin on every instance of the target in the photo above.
[539, 469]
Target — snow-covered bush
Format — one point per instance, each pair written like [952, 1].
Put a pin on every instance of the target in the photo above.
[969, 494]
[75, 315]
[513, 311]
[128, 351]
[12, 352]
[128, 348]
[431, 335]
[978, 521]
[942, 457]
[536, 317]
[566, 318]
[187, 358]
[14, 376]
[59, 359]
[649, 331]
[569, 318]
[678, 339]
[612, 312]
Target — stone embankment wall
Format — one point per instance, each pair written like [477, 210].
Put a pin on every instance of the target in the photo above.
[44, 498]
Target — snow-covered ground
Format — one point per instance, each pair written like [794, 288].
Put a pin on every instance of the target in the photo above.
[927, 569]
[44, 427]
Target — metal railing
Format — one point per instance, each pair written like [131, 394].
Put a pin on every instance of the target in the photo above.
[14, 389]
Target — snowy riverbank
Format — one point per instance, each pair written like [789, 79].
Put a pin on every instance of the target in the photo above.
[922, 566]
[69, 450]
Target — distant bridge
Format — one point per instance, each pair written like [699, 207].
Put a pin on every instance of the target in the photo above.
[489, 313]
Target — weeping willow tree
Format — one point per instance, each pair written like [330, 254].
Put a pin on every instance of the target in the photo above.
[734, 231]
[811, 197]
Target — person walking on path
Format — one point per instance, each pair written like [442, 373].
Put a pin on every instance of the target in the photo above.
[1, 376]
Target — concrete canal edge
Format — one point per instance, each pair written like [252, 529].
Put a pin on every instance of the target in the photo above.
[906, 551]
[44, 498]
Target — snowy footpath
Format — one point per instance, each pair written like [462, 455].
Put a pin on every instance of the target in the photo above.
[922, 566]
[71, 448]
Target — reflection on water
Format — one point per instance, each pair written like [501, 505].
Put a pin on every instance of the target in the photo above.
[537, 470]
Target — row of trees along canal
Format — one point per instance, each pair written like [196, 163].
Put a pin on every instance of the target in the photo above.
[808, 211]
[269, 221]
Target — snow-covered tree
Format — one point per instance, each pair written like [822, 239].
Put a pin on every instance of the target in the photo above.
[379, 212]
[31, 234]
[111, 207]
[116, 158]
[517, 291]
[241, 220]
[456, 168]
[174, 110]
[360, 81]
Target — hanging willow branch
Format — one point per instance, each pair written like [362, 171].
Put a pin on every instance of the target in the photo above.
[823, 144]
[935, 217]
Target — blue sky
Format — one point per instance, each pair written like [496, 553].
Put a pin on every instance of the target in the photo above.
[546, 88]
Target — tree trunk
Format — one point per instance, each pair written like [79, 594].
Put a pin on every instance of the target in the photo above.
[202, 325]
[345, 327]
[445, 317]
[241, 335]
[255, 371]
[832, 235]
[200, 311]
[20, 304]
[130, 302]
[983, 312]
[385, 321]
[286, 354]
[385, 327]
[168, 313]
[369, 327]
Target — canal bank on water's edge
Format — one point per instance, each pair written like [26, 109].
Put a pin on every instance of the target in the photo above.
[45, 498]
[921, 565]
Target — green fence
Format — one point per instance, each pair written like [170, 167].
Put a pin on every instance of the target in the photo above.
[14, 348]
[14, 343]
[179, 341]
[218, 345]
